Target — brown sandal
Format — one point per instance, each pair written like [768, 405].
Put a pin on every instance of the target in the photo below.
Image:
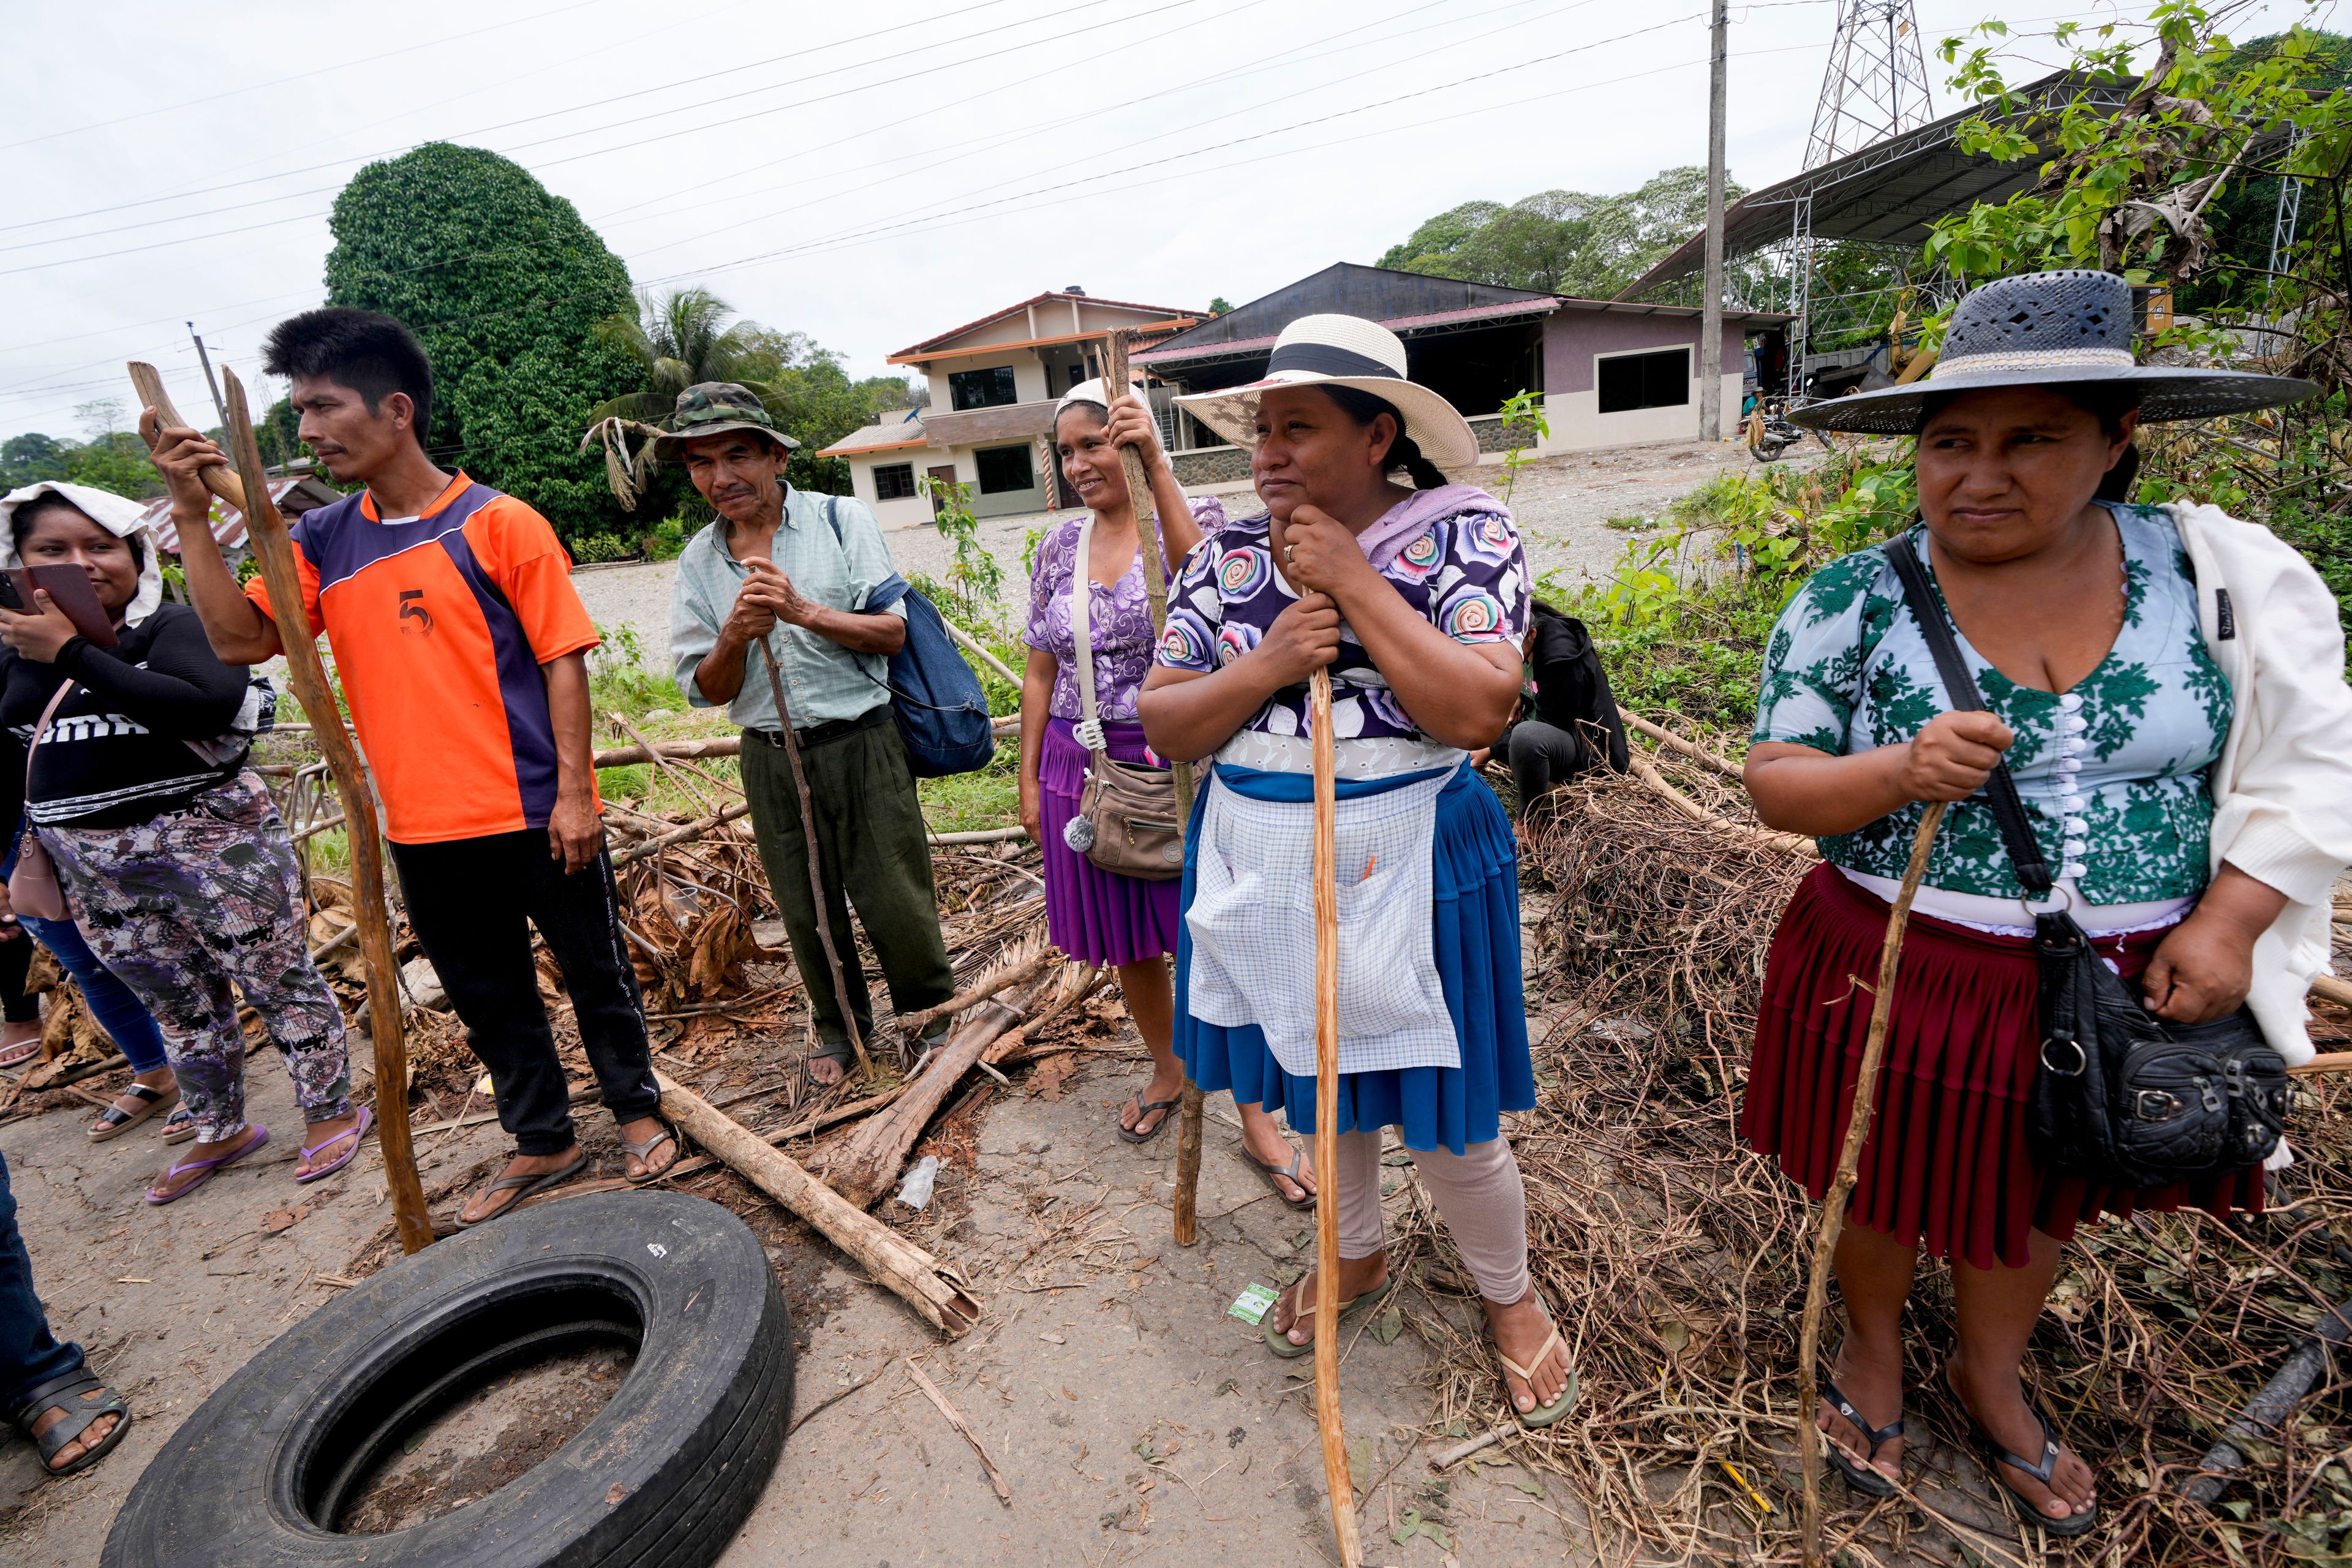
[522, 1187]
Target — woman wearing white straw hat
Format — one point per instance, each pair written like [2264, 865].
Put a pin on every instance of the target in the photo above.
[2163, 753]
[1073, 710]
[1414, 596]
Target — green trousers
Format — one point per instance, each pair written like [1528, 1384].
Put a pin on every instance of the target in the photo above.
[870, 840]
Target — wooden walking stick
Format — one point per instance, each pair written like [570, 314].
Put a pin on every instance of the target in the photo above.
[1155, 591]
[1832, 1220]
[816, 861]
[267, 531]
[1336, 1479]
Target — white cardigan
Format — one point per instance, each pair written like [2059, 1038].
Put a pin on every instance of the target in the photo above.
[2283, 785]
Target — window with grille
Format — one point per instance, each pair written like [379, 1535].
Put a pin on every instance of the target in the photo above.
[1004, 468]
[987, 388]
[894, 481]
[1660, 380]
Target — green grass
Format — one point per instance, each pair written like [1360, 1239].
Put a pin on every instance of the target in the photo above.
[1703, 657]
[988, 798]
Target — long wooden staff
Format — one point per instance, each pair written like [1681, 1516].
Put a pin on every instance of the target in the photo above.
[816, 861]
[1155, 591]
[1832, 1220]
[1326, 1122]
[248, 490]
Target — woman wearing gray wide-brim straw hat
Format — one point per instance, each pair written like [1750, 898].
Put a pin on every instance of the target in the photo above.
[2165, 685]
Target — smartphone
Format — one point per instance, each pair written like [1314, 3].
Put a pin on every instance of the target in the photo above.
[68, 587]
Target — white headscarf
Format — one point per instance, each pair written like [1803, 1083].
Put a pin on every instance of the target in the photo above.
[118, 515]
[1096, 391]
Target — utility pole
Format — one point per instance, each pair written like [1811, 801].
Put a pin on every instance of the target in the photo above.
[1710, 339]
[206, 360]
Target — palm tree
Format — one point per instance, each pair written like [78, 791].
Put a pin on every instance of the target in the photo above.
[681, 339]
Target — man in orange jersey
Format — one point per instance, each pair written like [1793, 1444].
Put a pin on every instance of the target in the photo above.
[462, 650]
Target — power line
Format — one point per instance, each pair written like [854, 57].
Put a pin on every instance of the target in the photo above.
[595, 103]
[112, 121]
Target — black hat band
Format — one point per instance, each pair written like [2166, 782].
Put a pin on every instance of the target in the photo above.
[1324, 360]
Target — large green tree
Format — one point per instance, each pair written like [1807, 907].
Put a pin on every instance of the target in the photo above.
[505, 285]
[1562, 242]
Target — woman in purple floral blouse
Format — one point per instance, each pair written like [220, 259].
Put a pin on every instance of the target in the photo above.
[1093, 915]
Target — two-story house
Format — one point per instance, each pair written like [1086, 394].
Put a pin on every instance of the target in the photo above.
[994, 383]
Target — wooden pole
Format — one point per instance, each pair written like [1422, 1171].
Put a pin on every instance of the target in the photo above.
[1832, 1220]
[308, 675]
[815, 860]
[933, 1289]
[1189, 1119]
[1327, 1135]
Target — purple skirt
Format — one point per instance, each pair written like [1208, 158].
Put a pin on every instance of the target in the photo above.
[1093, 915]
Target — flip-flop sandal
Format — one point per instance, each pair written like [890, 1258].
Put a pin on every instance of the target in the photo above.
[180, 1126]
[206, 1170]
[1143, 1108]
[639, 1150]
[1858, 1475]
[72, 1393]
[355, 1132]
[114, 1122]
[522, 1187]
[1268, 1171]
[1542, 1415]
[2066, 1528]
[18, 1055]
[1279, 1339]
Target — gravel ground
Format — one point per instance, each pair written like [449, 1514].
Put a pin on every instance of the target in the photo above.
[1563, 505]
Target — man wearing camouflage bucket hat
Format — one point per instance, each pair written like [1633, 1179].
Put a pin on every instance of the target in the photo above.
[810, 577]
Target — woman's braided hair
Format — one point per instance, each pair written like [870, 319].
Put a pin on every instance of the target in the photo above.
[1405, 452]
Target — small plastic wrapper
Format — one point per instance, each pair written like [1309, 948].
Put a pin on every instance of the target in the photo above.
[1253, 1304]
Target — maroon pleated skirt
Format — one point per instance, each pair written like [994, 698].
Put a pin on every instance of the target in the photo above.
[1093, 915]
[1945, 1165]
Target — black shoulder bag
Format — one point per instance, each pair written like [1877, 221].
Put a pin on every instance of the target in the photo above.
[2121, 1096]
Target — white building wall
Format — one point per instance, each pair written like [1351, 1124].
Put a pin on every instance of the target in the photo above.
[909, 512]
[1579, 425]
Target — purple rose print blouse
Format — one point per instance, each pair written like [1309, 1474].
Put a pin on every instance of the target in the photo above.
[1119, 619]
[1466, 573]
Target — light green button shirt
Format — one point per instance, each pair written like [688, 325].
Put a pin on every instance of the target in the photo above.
[824, 682]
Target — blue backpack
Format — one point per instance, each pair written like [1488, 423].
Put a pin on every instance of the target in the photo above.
[941, 712]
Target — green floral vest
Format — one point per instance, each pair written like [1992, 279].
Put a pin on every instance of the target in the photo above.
[2113, 773]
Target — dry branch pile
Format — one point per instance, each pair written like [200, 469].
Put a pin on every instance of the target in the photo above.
[1674, 1259]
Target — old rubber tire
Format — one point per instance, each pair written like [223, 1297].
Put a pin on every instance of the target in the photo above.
[661, 1477]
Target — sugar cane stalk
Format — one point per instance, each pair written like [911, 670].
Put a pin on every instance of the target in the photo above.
[1155, 591]
[267, 530]
[815, 862]
[1832, 1220]
[1327, 1126]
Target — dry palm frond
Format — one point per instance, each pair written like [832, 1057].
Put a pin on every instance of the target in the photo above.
[1673, 1259]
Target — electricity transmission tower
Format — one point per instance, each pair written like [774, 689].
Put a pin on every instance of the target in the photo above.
[1876, 82]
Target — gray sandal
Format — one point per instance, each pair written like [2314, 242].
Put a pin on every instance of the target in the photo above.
[73, 1394]
[1143, 1108]
[1274, 1175]
[522, 1187]
[640, 1149]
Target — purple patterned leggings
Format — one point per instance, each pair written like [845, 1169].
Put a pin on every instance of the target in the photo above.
[184, 903]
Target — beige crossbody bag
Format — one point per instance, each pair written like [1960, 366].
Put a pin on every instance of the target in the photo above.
[33, 886]
[1127, 816]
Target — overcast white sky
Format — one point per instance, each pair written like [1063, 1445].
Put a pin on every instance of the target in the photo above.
[871, 174]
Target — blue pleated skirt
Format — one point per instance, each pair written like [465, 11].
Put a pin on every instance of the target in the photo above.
[1474, 937]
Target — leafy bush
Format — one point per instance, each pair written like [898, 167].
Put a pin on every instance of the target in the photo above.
[668, 538]
[589, 548]
[1693, 640]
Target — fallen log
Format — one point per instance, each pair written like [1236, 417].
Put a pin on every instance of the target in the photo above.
[1672, 742]
[938, 1293]
[981, 836]
[677, 751]
[990, 985]
[1787, 842]
[686, 833]
[866, 1164]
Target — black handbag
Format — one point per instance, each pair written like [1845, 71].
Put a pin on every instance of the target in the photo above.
[2121, 1096]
